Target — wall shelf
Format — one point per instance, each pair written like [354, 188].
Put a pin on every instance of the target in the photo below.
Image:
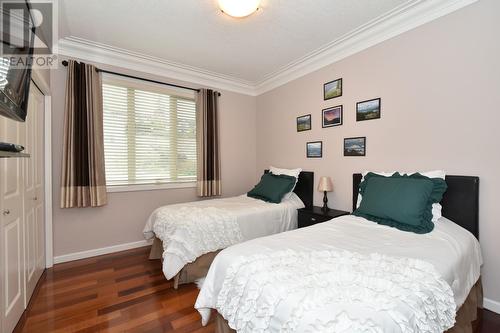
[8, 154]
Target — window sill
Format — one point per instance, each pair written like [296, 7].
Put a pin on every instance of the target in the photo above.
[149, 187]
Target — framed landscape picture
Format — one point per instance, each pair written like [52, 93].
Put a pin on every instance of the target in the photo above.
[332, 116]
[304, 123]
[355, 146]
[332, 89]
[314, 149]
[368, 110]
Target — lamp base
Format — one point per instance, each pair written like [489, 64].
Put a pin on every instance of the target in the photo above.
[325, 202]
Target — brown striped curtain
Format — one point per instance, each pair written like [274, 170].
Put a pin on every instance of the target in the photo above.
[207, 129]
[83, 179]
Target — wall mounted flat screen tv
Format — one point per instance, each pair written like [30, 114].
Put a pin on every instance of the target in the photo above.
[17, 37]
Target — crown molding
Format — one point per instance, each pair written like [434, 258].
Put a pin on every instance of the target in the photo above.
[87, 50]
[389, 25]
[395, 22]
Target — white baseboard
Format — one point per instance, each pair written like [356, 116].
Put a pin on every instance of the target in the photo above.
[491, 305]
[99, 252]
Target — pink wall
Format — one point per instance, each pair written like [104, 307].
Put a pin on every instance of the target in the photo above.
[123, 219]
[439, 86]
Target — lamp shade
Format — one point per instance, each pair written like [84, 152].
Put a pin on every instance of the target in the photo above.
[325, 184]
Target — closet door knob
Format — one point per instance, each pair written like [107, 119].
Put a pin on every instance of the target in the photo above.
[35, 198]
[6, 212]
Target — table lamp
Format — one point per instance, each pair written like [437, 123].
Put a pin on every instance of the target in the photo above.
[325, 185]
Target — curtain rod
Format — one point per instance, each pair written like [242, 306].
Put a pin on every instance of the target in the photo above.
[65, 64]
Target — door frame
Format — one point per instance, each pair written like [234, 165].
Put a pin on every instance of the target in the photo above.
[44, 87]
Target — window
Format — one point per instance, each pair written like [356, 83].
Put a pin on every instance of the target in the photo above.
[149, 134]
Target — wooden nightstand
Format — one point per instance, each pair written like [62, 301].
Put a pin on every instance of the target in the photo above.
[310, 216]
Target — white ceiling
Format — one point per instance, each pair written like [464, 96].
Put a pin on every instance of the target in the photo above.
[196, 33]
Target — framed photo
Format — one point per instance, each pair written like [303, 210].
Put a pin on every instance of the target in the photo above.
[332, 116]
[304, 123]
[332, 89]
[355, 146]
[314, 149]
[368, 110]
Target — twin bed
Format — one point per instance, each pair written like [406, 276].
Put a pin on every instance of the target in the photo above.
[352, 275]
[188, 236]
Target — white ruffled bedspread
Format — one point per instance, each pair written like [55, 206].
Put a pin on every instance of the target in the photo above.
[344, 275]
[358, 293]
[189, 232]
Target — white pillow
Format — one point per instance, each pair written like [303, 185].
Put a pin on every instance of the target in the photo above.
[288, 172]
[436, 208]
[293, 200]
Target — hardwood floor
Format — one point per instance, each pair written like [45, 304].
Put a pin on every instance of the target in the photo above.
[123, 292]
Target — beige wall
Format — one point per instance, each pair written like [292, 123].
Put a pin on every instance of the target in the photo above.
[440, 90]
[122, 220]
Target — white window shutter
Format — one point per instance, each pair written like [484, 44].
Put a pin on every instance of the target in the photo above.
[149, 135]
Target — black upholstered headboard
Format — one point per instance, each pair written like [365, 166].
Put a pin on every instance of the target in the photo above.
[305, 187]
[460, 201]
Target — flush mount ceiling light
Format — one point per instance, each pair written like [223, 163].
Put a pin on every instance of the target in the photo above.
[239, 8]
